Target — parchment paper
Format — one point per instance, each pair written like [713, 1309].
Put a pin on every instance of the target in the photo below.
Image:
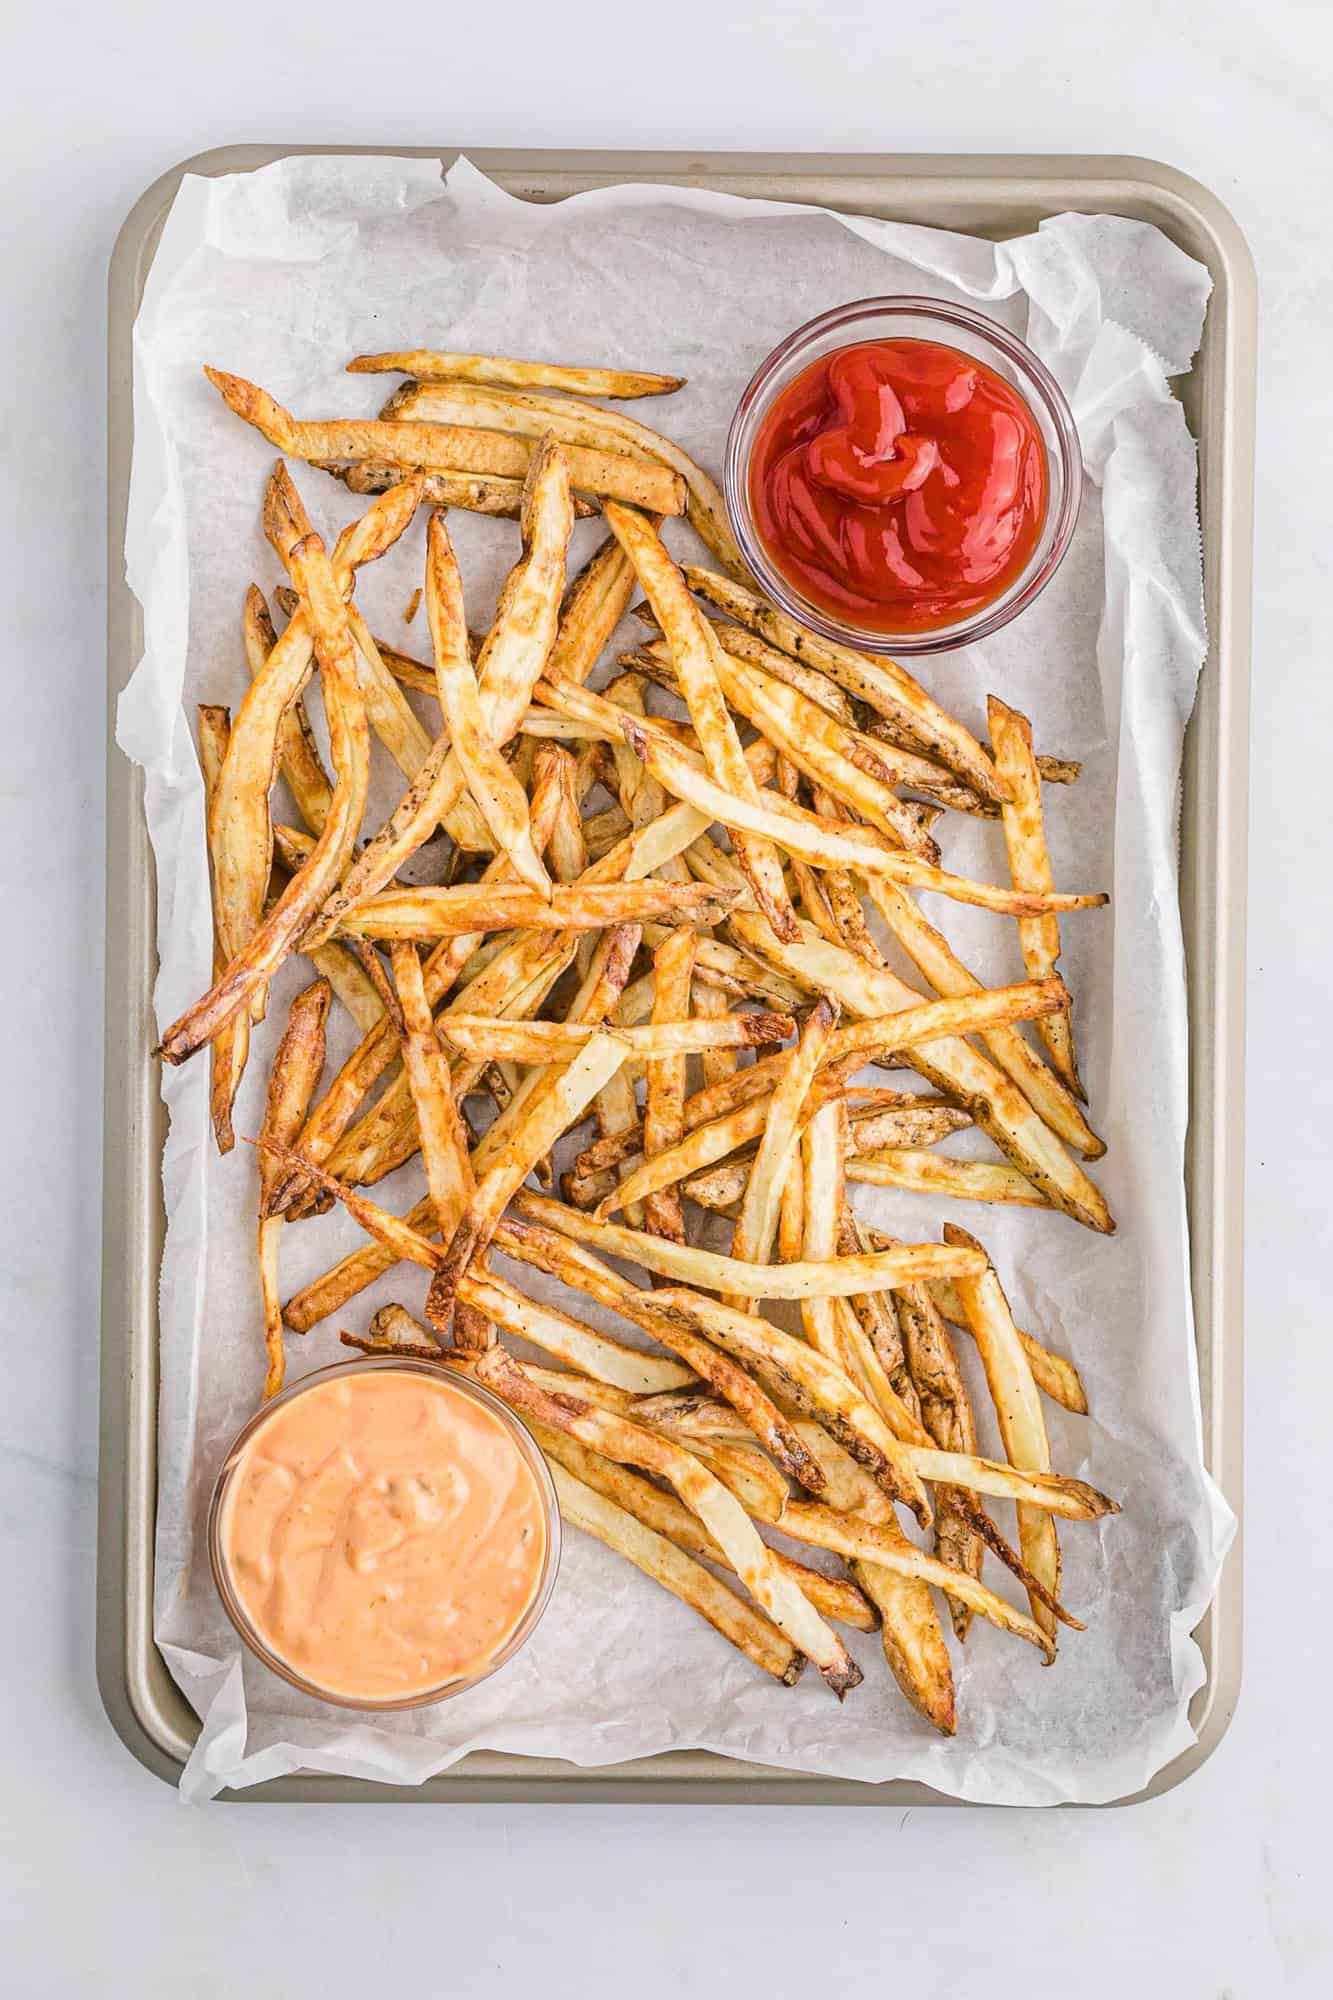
[283, 275]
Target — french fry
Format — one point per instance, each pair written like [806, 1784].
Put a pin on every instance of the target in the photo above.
[230, 1048]
[498, 795]
[298, 755]
[883, 685]
[426, 447]
[952, 1065]
[673, 966]
[695, 654]
[254, 963]
[351, 1275]
[752, 1239]
[596, 1354]
[444, 1144]
[436, 913]
[514, 654]
[1018, 1413]
[1030, 868]
[936, 1173]
[295, 1073]
[666, 1563]
[929, 951]
[1053, 1374]
[430, 365]
[834, 1277]
[557, 1041]
[470, 492]
[718, 1510]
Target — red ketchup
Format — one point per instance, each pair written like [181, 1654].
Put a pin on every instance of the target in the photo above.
[899, 485]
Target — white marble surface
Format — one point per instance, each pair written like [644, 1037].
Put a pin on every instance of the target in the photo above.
[1216, 1892]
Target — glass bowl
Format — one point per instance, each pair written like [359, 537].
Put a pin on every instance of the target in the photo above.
[950, 326]
[524, 1443]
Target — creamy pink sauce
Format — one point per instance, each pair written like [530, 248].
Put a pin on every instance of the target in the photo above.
[383, 1534]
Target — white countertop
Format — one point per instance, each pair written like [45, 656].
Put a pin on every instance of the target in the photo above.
[107, 1884]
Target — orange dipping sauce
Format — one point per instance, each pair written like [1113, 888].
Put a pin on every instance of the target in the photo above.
[899, 485]
[383, 1534]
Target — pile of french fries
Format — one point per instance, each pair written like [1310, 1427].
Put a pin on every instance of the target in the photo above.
[659, 940]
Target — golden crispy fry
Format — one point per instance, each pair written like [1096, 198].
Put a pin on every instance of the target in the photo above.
[595, 1354]
[936, 1173]
[824, 842]
[952, 1065]
[295, 1073]
[430, 365]
[912, 1636]
[830, 1278]
[946, 1413]
[444, 1142]
[499, 797]
[437, 913]
[470, 492]
[426, 447]
[922, 1121]
[298, 754]
[1030, 868]
[882, 684]
[673, 967]
[231, 1046]
[557, 1041]
[582, 1506]
[695, 654]
[711, 1007]
[1017, 1411]
[824, 749]
[720, 1513]
[254, 964]
[848, 1535]
[931, 954]
[336, 1287]
[513, 655]
[1053, 1374]
[752, 1239]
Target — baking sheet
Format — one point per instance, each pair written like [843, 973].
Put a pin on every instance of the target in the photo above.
[269, 263]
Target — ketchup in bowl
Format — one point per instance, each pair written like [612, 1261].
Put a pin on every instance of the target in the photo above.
[900, 484]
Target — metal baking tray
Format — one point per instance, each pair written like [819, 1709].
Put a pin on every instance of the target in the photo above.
[986, 195]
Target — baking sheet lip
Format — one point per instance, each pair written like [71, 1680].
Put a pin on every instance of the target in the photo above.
[124, 1655]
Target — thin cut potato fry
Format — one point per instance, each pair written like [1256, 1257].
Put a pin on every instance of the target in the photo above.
[752, 1238]
[253, 966]
[595, 1354]
[834, 1277]
[437, 913]
[552, 1041]
[673, 968]
[295, 1073]
[666, 1563]
[1030, 868]
[298, 755]
[848, 1535]
[952, 1065]
[718, 1058]
[515, 652]
[428, 447]
[695, 654]
[946, 1413]
[911, 1633]
[431, 365]
[930, 952]
[824, 842]
[230, 1048]
[444, 1144]
[718, 1510]
[499, 797]
[1055, 1376]
[530, 413]
[937, 1173]
[336, 1287]
[882, 684]
[832, 1596]
[470, 492]
[1018, 1413]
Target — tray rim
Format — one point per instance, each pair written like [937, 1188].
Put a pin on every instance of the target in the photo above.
[976, 191]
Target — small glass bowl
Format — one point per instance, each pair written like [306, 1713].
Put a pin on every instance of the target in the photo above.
[524, 1443]
[951, 326]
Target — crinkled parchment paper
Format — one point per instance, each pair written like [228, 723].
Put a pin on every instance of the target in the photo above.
[283, 275]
